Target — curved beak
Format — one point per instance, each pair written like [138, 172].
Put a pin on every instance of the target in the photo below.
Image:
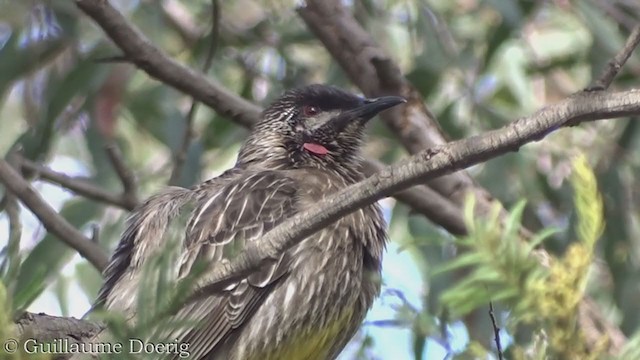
[372, 107]
[367, 110]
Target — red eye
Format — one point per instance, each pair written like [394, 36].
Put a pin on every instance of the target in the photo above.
[310, 110]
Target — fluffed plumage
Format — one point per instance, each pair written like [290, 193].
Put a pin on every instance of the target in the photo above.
[309, 303]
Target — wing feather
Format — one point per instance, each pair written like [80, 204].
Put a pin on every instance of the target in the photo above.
[242, 212]
[146, 225]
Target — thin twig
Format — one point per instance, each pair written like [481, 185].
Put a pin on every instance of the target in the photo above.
[51, 220]
[496, 331]
[615, 65]
[95, 233]
[180, 155]
[124, 173]
[79, 186]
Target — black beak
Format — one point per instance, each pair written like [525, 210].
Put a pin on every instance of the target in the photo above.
[367, 110]
[372, 107]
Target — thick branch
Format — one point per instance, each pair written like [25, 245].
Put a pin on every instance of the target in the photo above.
[423, 166]
[423, 200]
[51, 220]
[46, 327]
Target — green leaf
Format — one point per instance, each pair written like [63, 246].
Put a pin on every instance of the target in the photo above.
[50, 255]
[464, 260]
[84, 78]
[190, 173]
[498, 37]
[538, 238]
[89, 278]
[154, 108]
[60, 287]
[425, 80]
[512, 226]
[504, 294]
[18, 61]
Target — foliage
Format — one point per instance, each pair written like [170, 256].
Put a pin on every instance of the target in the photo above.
[160, 294]
[546, 296]
[477, 64]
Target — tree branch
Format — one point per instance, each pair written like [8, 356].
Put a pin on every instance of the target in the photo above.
[51, 220]
[615, 65]
[46, 327]
[424, 200]
[124, 173]
[423, 166]
[157, 64]
[369, 67]
[11, 259]
[375, 73]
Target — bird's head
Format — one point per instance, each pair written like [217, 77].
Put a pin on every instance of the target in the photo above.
[313, 126]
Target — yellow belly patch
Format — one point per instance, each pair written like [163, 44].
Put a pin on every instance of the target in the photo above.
[314, 344]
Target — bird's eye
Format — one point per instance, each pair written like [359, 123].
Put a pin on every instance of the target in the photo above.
[309, 110]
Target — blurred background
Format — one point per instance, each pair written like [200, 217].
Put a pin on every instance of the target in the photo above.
[478, 64]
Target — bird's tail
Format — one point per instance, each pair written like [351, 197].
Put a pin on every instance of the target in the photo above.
[150, 232]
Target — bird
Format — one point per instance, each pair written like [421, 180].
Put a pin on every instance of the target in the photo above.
[311, 301]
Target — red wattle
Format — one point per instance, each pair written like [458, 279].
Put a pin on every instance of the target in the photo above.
[315, 148]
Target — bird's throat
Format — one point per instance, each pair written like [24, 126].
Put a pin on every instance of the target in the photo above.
[315, 148]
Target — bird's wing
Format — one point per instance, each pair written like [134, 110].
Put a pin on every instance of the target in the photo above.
[146, 224]
[241, 212]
